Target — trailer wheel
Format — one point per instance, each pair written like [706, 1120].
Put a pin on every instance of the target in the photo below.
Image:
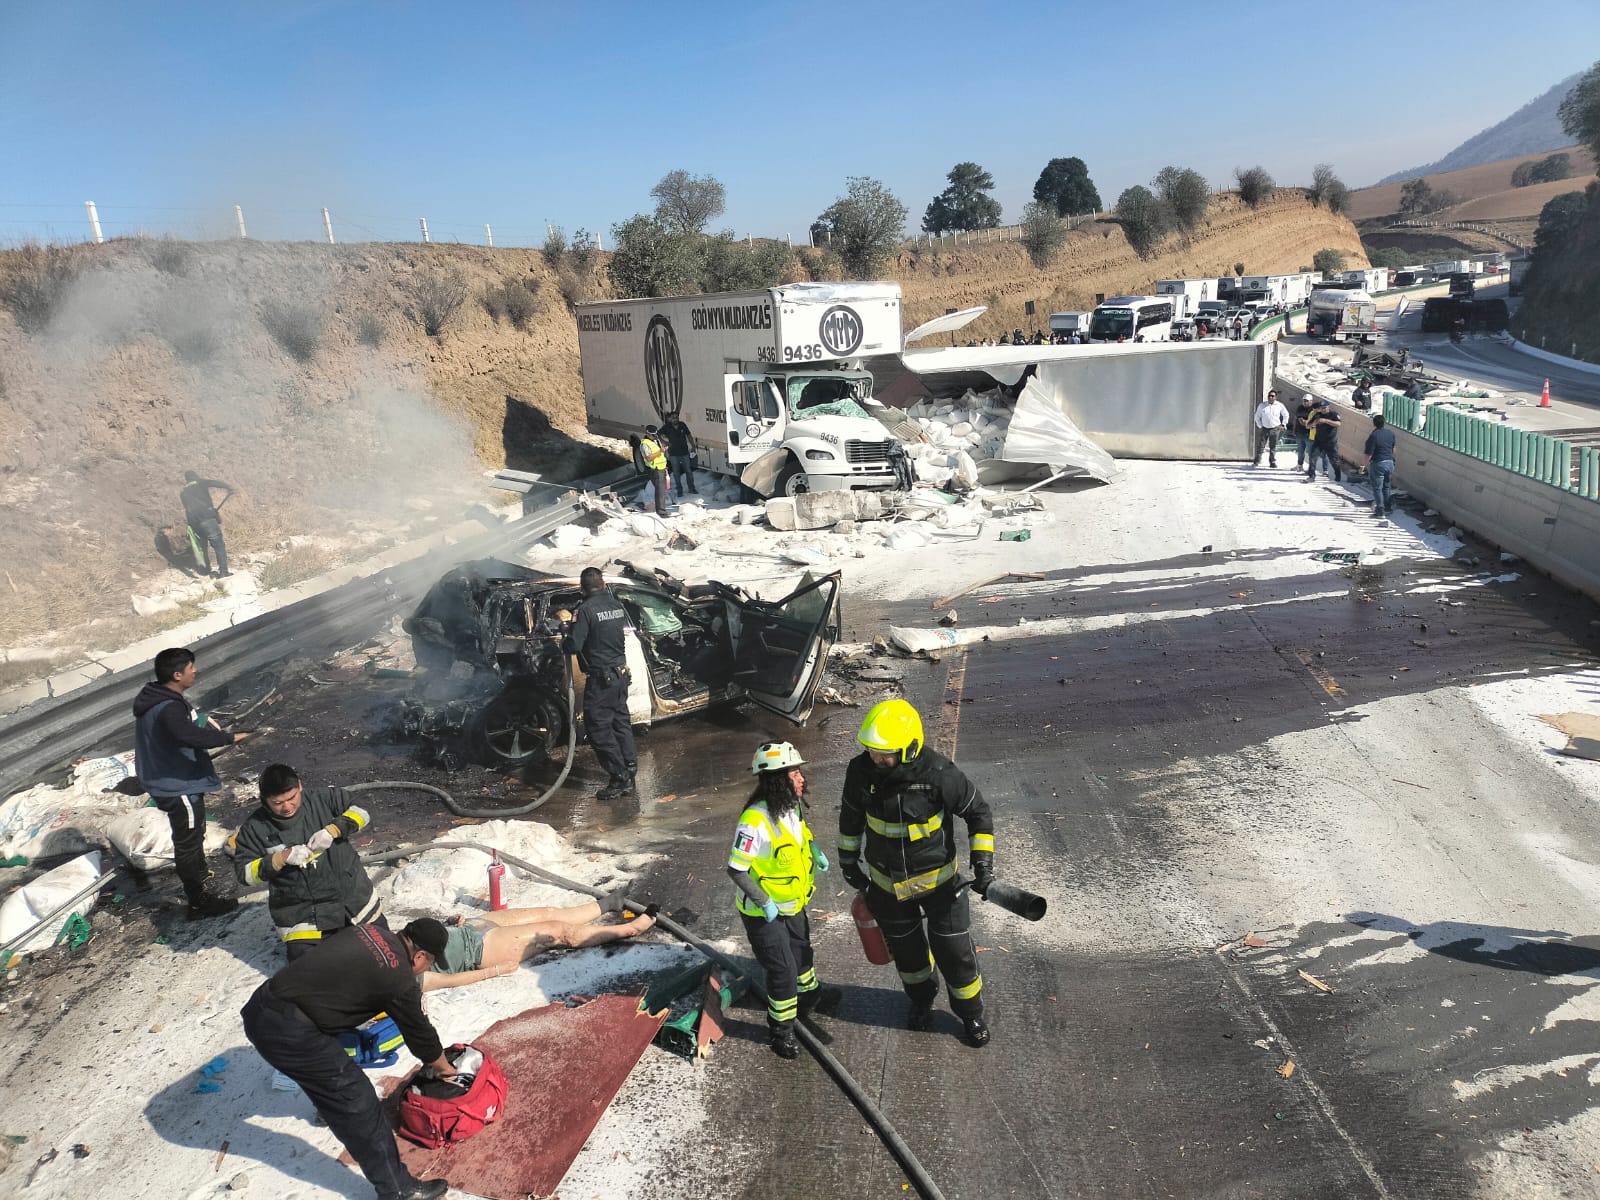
[791, 481]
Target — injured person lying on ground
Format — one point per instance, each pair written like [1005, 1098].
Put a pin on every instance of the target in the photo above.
[496, 943]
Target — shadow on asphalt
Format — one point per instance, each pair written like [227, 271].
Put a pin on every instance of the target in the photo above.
[1499, 946]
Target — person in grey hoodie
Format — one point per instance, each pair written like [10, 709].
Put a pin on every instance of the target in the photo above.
[170, 745]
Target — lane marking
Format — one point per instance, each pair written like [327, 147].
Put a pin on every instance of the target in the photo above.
[947, 728]
[1320, 674]
[1317, 1094]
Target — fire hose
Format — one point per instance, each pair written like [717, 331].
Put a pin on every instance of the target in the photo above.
[896, 1145]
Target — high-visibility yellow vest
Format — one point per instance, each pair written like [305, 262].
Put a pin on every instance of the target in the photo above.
[786, 873]
[655, 458]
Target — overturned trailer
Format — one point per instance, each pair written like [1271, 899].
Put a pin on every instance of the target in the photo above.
[1193, 400]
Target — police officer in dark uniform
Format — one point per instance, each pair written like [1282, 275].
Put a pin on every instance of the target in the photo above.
[597, 639]
[295, 1017]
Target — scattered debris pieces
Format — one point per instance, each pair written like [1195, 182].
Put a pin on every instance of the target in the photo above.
[1582, 730]
[1286, 1070]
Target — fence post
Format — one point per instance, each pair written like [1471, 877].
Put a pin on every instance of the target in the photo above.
[1586, 480]
[327, 226]
[94, 221]
[238, 219]
[488, 235]
[423, 221]
[1564, 465]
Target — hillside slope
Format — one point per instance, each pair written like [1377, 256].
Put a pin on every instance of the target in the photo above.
[301, 374]
[1561, 294]
[1485, 189]
[1532, 129]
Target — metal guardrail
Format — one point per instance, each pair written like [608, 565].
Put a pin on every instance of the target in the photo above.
[1532, 455]
[51, 733]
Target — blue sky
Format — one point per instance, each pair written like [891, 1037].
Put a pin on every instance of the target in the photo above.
[168, 114]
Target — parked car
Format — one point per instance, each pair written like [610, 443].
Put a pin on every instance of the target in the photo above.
[489, 640]
[1182, 330]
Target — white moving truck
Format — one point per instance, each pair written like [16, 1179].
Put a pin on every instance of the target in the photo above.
[1192, 290]
[770, 382]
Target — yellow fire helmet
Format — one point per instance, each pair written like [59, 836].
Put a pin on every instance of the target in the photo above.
[892, 726]
[775, 756]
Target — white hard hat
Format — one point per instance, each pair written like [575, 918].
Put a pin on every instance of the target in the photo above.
[775, 756]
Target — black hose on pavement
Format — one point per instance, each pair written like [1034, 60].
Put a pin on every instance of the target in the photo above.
[896, 1145]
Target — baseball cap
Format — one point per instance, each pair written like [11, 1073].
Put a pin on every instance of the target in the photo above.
[427, 934]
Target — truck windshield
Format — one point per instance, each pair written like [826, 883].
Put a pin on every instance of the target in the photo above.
[1111, 324]
[828, 395]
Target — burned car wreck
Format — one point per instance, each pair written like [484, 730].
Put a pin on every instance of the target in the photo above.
[499, 684]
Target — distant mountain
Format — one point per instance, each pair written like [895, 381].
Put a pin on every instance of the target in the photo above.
[1532, 128]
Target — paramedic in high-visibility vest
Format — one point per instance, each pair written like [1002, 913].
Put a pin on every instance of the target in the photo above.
[899, 805]
[773, 861]
[654, 457]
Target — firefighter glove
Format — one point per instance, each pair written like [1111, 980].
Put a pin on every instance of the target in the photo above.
[818, 857]
[769, 910]
[298, 856]
[982, 877]
[854, 875]
[321, 839]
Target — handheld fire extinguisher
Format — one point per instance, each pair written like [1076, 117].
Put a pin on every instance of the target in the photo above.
[497, 872]
[872, 940]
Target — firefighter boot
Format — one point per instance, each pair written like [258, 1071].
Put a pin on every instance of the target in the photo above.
[975, 1031]
[784, 1043]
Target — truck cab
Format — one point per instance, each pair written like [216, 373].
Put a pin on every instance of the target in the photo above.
[807, 430]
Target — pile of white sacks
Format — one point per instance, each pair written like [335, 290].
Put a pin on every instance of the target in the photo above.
[960, 434]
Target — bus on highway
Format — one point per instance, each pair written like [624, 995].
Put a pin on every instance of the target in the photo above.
[1133, 319]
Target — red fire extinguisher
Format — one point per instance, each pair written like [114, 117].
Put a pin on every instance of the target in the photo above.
[497, 872]
[872, 940]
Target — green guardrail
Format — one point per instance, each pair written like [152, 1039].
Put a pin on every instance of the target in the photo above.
[1523, 452]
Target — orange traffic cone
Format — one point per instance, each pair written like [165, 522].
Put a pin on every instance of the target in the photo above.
[1544, 396]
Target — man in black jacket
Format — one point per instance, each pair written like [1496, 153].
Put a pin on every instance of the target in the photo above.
[205, 523]
[900, 803]
[295, 1017]
[170, 741]
[298, 844]
[680, 447]
[599, 637]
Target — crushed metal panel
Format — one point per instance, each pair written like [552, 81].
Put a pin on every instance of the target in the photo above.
[1041, 432]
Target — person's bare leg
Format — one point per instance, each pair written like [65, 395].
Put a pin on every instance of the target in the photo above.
[515, 943]
[578, 913]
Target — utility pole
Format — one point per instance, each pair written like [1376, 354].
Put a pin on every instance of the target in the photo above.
[238, 219]
[327, 226]
[488, 235]
[94, 222]
[423, 221]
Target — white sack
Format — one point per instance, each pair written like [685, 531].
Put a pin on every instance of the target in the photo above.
[907, 537]
[31, 903]
[144, 838]
[918, 641]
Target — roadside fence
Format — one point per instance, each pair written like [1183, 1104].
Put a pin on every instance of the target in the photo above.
[1523, 452]
[1000, 233]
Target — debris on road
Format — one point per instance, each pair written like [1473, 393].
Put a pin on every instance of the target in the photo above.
[1314, 981]
[1582, 730]
[1286, 1070]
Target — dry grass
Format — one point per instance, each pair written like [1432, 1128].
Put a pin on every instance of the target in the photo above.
[1479, 183]
[294, 565]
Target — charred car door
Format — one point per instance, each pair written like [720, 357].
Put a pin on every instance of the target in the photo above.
[781, 648]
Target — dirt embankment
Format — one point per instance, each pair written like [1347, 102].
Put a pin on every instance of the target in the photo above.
[1278, 238]
[304, 376]
[1485, 190]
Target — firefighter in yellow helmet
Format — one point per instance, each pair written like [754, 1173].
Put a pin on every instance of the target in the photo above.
[900, 803]
[773, 861]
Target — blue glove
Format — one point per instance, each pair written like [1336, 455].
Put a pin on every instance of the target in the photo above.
[819, 858]
[769, 910]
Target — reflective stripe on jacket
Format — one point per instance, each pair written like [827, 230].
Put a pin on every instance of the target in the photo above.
[899, 820]
[655, 458]
[786, 873]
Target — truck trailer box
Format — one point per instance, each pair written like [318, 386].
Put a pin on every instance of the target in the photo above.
[770, 382]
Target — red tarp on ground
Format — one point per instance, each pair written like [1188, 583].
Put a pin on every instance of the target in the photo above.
[563, 1065]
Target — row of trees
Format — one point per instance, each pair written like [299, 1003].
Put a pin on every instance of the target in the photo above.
[669, 252]
[1418, 198]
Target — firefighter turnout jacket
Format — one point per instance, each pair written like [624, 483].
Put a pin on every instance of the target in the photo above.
[329, 892]
[903, 819]
[778, 855]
